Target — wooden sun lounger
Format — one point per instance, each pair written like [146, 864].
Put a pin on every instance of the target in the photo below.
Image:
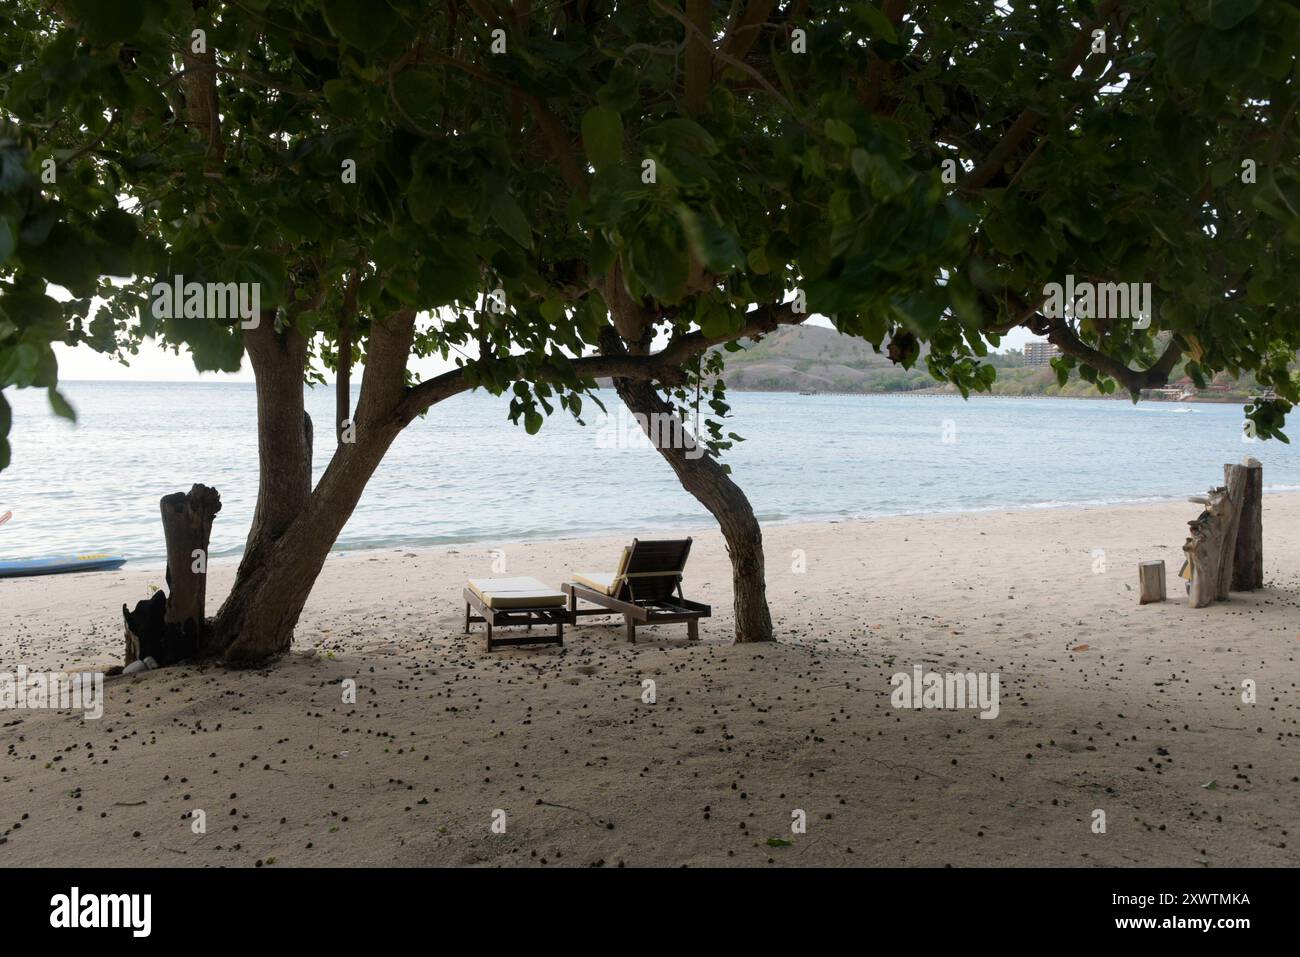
[516, 601]
[646, 589]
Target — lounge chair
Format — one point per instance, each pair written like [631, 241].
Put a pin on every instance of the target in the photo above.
[516, 601]
[646, 589]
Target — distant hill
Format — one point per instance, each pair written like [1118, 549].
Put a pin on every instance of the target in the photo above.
[814, 358]
[818, 359]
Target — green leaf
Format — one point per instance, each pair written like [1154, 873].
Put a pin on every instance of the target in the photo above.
[683, 134]
[108, 21]
[61, 406]
[657, 258]
[876, 23]
[837, 131]
[1226, 14]
[602, 137]
[366, 24]
[418, 94]
[713, 244]
[348, 101]
[507, 214]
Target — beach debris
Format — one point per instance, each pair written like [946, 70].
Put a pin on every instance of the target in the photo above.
[140, 664]
[1219, 535]
[1151, 582]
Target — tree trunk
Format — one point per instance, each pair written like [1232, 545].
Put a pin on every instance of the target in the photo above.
[294, 527]
[1248, 560]
[284, 435]
[284, 448]
[705, 478]
[343, 385]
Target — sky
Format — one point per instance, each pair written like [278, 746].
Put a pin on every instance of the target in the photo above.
[155, 364]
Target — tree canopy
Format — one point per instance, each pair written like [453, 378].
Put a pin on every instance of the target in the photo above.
[511, 173]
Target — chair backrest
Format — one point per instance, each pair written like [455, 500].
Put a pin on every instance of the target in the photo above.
[653, 570]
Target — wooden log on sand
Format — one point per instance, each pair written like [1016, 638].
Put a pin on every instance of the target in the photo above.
[1207, 545]
[1248, 560]
[171, 629]
[1151, 582]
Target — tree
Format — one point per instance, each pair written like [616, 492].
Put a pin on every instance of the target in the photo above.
[583, 189]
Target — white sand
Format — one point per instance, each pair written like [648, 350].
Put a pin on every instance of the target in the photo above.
[1105, 704]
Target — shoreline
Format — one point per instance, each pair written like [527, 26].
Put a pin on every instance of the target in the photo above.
[710, 527]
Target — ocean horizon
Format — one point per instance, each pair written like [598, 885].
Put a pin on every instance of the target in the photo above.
[466, 474]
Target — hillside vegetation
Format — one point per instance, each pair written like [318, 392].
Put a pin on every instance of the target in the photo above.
[818, 359]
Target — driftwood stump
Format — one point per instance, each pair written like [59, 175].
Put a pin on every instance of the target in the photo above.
[1230, 531]
[1207, 545]
[170, 628]
[1248, 560]
[1151, 582]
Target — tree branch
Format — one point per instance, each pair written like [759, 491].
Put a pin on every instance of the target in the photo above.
[1024, 124]
[699, 64]
[741, 40]
[1064, 338]
[878, 70]
[558, 141]
[664, 366]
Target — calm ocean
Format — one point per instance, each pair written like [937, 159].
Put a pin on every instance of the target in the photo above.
[465, 473]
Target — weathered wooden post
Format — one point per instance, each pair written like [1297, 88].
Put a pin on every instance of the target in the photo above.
[1151, 582]
[187, 527]
[1225, 551]
[1208, 545]
[1234, 483]
[1248, 559]
[173, 630]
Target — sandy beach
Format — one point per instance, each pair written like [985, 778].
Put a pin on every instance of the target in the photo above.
[1105, 705]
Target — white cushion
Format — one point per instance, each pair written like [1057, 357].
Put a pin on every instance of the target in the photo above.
[516, 593]
[603, 582]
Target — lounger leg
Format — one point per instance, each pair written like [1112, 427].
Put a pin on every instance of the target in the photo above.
[467, 618]
[489, 628]
[631, 629]
[693, 629]
[559, 632]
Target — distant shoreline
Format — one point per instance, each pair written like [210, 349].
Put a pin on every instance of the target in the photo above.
[604, 385]
[943, 393]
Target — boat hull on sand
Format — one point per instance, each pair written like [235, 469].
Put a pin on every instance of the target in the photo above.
[60, 565]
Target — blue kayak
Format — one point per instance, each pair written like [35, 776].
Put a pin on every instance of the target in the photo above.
[60, 565]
